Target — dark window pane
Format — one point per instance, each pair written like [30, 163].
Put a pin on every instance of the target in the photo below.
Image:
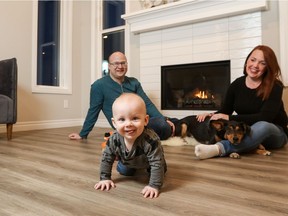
[112, 42]
[112, 11]
[48, 43]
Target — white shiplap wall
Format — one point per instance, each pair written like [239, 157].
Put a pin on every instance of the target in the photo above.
[229, 38]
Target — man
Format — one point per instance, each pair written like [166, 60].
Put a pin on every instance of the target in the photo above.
[106, 89]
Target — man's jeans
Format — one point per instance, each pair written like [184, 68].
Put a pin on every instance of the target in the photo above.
[160, 126]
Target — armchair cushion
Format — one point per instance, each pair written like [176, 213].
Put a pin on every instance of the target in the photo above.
[6, 109]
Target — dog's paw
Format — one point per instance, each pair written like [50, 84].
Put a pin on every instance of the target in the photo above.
[267, 153]
[263, 152]
[234, 155]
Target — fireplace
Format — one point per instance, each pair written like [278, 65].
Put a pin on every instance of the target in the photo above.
[197, 86]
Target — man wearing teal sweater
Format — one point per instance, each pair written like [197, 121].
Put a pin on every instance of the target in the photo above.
[106, 89]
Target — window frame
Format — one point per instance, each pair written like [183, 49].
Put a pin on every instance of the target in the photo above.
[65, 51]
[98, 32]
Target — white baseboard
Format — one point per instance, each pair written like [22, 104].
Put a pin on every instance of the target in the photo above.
[39, 125]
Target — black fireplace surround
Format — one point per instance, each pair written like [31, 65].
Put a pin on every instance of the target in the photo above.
[196, 86]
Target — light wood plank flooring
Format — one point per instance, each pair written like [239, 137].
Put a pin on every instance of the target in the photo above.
[44, 173]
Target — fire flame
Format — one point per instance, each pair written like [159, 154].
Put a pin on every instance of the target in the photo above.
[203, 95]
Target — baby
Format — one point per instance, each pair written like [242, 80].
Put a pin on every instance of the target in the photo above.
[134, 145]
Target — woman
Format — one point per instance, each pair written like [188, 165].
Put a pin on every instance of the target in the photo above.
[256, 97]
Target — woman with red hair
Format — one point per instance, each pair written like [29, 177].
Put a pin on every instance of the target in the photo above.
[256, 98]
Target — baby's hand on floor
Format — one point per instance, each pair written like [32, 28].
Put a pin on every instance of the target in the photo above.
[150, 192]
[104, 185]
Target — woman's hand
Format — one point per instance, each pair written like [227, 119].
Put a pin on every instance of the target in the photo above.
[104, 185]
[219, 116]
[172, 126]
[150, 192]
[202, 117]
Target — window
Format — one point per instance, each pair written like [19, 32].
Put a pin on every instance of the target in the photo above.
[112, 11]
[113, 30]
[112, 41]
[48, 43]
[52, 32]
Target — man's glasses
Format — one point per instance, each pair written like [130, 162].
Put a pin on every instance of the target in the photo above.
[117, 64]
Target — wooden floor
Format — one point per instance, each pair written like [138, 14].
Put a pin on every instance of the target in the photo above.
[44, 173]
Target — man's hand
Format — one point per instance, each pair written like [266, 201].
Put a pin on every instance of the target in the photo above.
[74, 136]
[172, 126]
[149, 192]
[104, 185]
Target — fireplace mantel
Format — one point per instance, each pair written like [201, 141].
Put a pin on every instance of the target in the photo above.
[189, 11]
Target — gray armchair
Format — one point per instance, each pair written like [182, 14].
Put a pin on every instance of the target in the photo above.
[8, 94]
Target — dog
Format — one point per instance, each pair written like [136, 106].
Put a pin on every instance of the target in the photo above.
[235, 132]
[212, 131]
[206, 132]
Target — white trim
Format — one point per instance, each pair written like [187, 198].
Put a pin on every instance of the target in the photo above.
[65, 51]
[114, 29]
[283, 31]
[187, 12]
[98, 37]
[40, 125]
[93, 42]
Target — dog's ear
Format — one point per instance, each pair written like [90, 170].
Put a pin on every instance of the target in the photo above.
[246, 127]
[217, 124]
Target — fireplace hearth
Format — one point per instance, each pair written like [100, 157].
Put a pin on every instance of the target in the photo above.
[197, 86]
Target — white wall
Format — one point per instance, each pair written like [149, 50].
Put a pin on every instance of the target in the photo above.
[37, 111]
[222, 39]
